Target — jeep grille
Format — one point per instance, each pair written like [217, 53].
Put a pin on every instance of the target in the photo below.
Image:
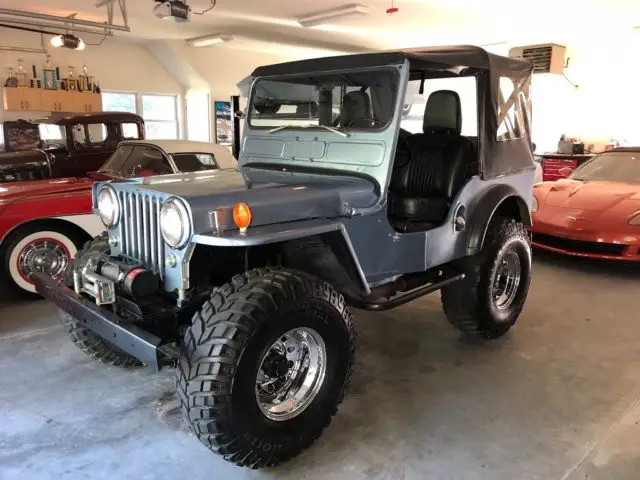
[140, 230]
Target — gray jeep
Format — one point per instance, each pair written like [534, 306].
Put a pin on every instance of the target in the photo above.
[346, 194]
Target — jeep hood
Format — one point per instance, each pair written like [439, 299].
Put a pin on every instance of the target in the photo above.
[274, 196]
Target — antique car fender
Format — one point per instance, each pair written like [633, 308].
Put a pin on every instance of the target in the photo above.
[486, 207]
[68, 208]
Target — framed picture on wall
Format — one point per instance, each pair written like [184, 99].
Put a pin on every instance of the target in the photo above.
[20, 136]
[224, 127]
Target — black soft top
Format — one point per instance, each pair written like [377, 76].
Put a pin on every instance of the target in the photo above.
[446, 57]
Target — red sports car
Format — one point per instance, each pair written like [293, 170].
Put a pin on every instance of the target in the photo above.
[44, 222]
[595, 212]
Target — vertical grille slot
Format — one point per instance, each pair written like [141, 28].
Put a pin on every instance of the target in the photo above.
[140, 228]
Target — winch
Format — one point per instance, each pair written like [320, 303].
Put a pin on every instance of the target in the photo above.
[102, 276]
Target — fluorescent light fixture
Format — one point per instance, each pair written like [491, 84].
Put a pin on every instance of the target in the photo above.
[322, 18]
[209, 40]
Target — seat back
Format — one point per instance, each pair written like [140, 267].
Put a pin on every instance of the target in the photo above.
[439, 157]
[356, 109]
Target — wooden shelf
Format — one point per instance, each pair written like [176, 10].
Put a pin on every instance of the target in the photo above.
[40, 100]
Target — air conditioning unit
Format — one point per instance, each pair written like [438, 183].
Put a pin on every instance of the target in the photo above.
[546, 58]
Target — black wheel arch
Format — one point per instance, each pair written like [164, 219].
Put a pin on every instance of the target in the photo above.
[501, 200]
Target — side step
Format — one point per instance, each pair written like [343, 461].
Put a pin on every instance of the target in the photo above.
[404, 298]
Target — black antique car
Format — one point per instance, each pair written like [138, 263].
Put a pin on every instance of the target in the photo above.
[74, 145]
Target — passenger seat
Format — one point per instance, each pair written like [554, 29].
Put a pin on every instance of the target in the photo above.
[422, 189]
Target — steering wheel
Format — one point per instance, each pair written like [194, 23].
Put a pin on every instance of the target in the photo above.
[366, 119]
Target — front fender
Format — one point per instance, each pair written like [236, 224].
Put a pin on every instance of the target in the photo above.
[281, 232]
[486, 208]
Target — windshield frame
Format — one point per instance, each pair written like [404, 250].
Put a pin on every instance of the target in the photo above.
[283, 78]
[575, 174]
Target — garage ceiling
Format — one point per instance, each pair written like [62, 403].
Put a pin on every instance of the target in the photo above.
[418, 22]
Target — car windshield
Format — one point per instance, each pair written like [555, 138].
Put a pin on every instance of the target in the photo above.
[610, 167]
[341, 100]
[137, 161]
[53, 135]
[194, 162]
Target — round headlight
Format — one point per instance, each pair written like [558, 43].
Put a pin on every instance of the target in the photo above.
[108, 206]
[174, 223]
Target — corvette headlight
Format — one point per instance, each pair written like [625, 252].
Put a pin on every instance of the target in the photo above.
[635, 220]
[175, 223]
[108, 206]
[534, 204]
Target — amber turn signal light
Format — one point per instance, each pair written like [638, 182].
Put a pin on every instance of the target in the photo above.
[241, 216]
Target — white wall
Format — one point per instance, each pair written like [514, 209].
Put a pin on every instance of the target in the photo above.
[117, 65]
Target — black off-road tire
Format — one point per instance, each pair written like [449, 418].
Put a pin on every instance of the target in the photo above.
[468, 304]
[83, 338]
[222, 350]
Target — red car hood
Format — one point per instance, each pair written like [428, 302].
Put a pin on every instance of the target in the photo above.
[623, 198]
[37, 188]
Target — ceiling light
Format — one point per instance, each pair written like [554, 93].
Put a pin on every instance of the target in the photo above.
[325, 16]
[209, 40]
[68, 41]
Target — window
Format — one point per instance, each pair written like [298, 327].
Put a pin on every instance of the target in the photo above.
[160, 116]
[159, 112]
[513, 110]
[198, 117]
[96, 135]
[130, 131]
[351, 100]
[193, 162]
[415, 103]
[119, 102]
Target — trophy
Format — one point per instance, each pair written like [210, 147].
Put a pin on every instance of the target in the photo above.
[21, 75]
[50, 76]
[86, 82]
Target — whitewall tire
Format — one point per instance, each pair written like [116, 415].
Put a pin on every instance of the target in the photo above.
[33, 250]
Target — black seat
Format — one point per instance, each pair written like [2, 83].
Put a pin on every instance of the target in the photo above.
[424, 183]
[356, 110]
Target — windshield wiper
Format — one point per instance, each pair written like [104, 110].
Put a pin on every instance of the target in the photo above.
[311, 125]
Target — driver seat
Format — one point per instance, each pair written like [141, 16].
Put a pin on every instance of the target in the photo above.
[356, 109]
[423, 186]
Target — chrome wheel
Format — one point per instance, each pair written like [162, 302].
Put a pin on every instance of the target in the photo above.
[507, 280]
[291, 374]
[46, 255]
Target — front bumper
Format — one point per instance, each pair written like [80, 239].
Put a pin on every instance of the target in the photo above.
[124, 335]
[560, 232]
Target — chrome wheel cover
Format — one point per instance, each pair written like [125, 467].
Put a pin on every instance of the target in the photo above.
[291, 374]
[506, 280]
[43, 255]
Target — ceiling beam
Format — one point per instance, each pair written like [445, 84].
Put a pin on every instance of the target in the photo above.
[34, 23]
[63, 20]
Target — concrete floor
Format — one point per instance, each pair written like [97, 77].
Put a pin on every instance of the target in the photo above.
[557, 398]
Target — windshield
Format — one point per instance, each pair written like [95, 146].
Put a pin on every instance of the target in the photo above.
[342, 100]
[137, 161]
[610, 167]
